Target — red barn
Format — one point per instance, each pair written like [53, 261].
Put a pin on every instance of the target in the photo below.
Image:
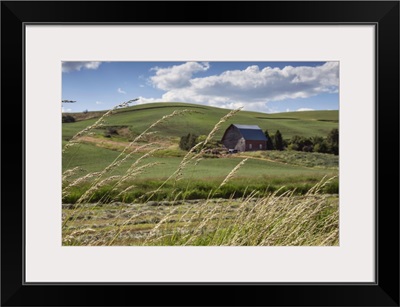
[244, 138]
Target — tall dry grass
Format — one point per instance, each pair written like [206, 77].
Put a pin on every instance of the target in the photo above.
[272, 220]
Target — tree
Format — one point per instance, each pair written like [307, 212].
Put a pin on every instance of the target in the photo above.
[321, 147]
[109, 131]
[278, 140]
[333, 141]
[68, 119]
[301, 143]
[320, 144]
[188, 141]
[270, 145]
[183, 142]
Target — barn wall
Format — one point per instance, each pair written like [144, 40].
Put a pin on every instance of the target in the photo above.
[232, 137]
[256, 145]
[241, 145]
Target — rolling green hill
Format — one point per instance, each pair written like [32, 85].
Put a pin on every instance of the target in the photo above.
[269, 170]
[202, 119]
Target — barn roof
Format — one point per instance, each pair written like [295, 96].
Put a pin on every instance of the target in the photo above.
[251, 132]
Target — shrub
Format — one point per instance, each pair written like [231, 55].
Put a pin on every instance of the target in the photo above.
[110, 131]
[321, 147]
[188, 141]
[301, 143]
[68, 119]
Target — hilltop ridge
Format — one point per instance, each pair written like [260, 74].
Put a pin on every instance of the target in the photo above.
[201, 119]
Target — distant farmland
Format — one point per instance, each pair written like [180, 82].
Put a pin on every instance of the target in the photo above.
[203, 119]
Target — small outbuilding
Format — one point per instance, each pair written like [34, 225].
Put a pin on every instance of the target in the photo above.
[244, 138]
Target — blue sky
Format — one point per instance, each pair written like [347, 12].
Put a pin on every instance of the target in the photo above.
[268, 87]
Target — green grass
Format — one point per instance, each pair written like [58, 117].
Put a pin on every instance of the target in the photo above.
[203, 118]
[93, 159]
[325, 116]
[89, 157]
[203, 188]
[306, 159]
[70, 129]
[198, 178]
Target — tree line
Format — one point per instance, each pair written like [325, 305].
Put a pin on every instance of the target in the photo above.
[191, 139]
[328, 144]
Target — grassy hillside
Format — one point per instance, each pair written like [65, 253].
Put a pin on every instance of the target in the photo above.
[94, 159]
[203, 118]
[265, 169]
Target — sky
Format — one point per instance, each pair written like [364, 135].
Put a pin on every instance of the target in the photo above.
[268, 87]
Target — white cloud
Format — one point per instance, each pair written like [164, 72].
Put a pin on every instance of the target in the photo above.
[177, 76]
[76, 66]
[143, 100]
[121, 91]
[304, 109]
[63, 110]
[252, 87]
[99, 102]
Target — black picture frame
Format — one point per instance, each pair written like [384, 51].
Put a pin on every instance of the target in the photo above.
[383, 14]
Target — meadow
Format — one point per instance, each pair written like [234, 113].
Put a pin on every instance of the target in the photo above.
[136, 187]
